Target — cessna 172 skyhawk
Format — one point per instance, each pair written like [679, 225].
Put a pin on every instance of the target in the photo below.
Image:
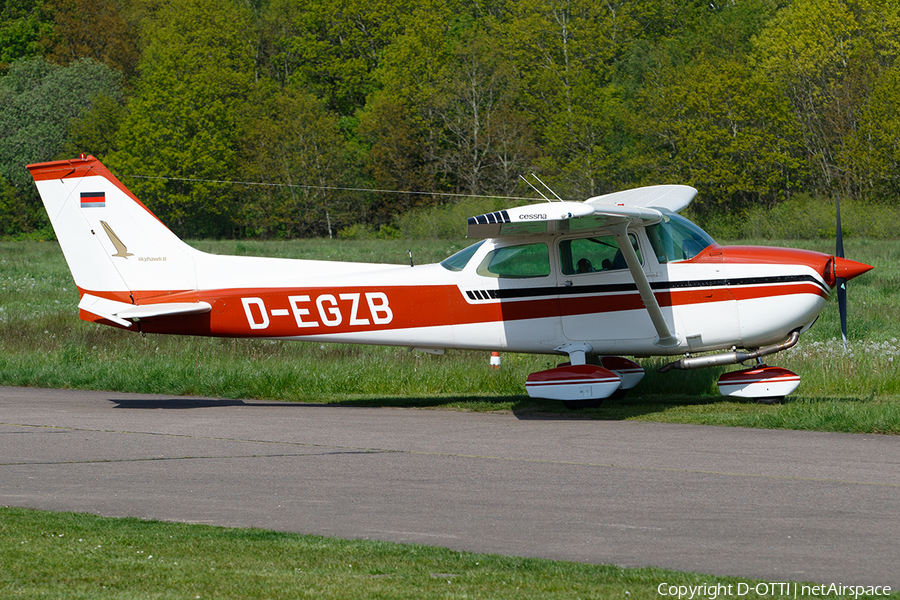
[620, 274]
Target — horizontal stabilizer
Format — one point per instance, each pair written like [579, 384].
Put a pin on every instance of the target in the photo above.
[121, 312]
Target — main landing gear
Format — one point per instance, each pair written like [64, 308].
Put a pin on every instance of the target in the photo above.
[586, 380]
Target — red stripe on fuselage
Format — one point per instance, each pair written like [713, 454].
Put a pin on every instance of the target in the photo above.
[266, 312]
[761, 255]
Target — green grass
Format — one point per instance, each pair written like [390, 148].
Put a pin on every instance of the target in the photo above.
[71, 556]
[44, 344]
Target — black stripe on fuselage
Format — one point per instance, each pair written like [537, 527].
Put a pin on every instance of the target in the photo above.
[659, 286]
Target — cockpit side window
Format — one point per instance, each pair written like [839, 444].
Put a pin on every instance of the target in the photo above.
[593, 254]
[516, 262]
[675, 239]
[458, 261]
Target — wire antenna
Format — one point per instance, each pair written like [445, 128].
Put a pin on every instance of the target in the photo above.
[547, 187]
[541, 194]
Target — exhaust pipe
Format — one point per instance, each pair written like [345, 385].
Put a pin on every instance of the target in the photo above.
[730, 358]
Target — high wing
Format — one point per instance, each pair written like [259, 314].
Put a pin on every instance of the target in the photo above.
[640, 204]
[614, 212]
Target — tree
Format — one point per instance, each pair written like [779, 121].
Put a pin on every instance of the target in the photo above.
[195, 75]
[725, 131]
[806, 50]
[563, 52]
[93, 29]
[38, 103]
[396, 157]
[873, 151]
[330, 47]
[454, 96]
[293, 146]
[485, 144]
[24, 31]
[828, 57]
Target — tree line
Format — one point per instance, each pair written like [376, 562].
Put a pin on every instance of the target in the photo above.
[268, 118]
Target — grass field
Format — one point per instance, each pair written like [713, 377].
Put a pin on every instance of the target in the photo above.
[73, 556]
[63, 555]
[44, 344]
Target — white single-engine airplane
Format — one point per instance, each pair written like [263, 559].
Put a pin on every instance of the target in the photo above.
[620, 274]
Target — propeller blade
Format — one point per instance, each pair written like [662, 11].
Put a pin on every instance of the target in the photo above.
[839, 250]
[842, 307]
[841, 282]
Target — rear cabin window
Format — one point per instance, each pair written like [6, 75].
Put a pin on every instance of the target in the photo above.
[517, 262]
[594, 254]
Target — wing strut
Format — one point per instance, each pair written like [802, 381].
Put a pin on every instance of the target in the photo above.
[667, 339]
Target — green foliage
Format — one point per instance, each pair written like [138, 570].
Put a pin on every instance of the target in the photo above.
[95, 132]
[95, 29]
[872, 152]
[293, 146]
[448, 221]
[751, 102]
[396, 157]
[563, 53]
[38, 100]
[803, 217]
[24, 29]
[825, 57]
[330, 47]
[182, 121]
[12, 210]
[738, 150]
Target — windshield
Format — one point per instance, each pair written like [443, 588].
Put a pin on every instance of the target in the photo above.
[458, 261]
[675, 238]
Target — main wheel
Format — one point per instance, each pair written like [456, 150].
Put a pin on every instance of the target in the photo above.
[770, 400]
[619, 394]
[580, 404]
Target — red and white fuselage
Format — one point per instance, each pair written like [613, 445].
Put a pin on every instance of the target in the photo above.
[553, 278]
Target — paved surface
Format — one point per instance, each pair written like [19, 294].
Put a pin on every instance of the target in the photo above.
[777, 505]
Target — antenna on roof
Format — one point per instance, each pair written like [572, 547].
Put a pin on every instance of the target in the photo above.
[546, 187]
[534, 188]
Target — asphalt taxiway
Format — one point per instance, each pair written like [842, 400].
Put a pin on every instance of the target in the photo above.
[776, 505]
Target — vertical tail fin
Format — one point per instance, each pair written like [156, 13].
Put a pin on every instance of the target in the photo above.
[116, 248]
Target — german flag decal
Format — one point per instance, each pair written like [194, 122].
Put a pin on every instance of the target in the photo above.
[93, 199]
